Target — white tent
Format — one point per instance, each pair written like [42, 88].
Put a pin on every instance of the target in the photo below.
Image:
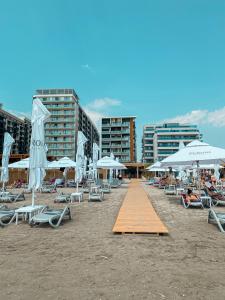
[64, 162]
[8, 141]
[194, 153]
[38, 161]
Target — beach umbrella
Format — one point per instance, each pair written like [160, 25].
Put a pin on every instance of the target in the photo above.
[181, 173]
[107, 162]
[90, 168]
[64, 162]
[21, 164]
[38, 161]
[81, 140]
[95, 157]
[217, 172]
[85, 166]
[8, 141]
[117, 159]
[156, 167]
[194, 153]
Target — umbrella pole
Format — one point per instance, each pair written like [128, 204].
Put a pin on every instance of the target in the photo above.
[33, 196]
[3, 186]
[77, 186]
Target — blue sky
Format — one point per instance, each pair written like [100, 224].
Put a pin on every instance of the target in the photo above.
[158, 60]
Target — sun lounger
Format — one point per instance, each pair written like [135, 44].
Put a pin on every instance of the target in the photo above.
[12, 197]
[49, 189]
[61, 198]
[187, 203]
[7, 216]
[95, 194]
[170, 190]
[217, 198]
[106, 188]
[217, 218]
[115, 183]
[51, 216]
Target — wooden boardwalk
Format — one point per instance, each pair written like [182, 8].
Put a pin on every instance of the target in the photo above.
[137, 214]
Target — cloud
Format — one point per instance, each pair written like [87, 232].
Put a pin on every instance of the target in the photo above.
[100, 108]
[94, 115]
[19, 114]
[103, 103]
[88, 68]
[214, 118]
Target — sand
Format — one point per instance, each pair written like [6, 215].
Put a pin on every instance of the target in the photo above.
[83, 259]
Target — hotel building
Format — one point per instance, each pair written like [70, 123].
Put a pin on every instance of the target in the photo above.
[67, 118]
[160, 141]
[18, 128]
[118, 136]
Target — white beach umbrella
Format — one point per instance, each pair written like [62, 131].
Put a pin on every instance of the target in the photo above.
[217, 172]
[81, 140]
[156, 167]
[21, 164]
[95, 157]
[64, 162]
[85, 166]
[8, 141]
[181, 174]
[90, 168]
[194, 153]
[117, 159]
[38, 161]
[108, 163]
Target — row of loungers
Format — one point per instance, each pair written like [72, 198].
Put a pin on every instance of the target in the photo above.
[10, 197]
[53, 217]
[207, 199]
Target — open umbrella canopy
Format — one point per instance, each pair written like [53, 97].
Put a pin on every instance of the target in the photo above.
[8, 141]
[64, 162]
[23, 164]
[156, 167]
[194, 153]
[109, 163]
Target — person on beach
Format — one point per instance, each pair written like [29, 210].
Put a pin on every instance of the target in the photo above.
[191, 196]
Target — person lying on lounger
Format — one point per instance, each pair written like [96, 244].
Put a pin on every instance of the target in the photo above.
[191, 196]
[212, 192]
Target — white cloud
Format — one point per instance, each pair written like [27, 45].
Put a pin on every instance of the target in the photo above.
[100, 108]
[20, 114]
[215, 118]
[87, 67]
[103, 103]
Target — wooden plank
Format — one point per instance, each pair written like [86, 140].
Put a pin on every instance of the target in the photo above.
[137, 214]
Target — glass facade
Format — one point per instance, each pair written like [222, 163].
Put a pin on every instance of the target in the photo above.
[160, 141]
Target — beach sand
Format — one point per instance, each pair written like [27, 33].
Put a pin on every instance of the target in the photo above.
[83, 259]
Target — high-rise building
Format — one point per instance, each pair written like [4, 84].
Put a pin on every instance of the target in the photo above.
[19, 128]
[119, 137]
[160, 141]
[67, 117]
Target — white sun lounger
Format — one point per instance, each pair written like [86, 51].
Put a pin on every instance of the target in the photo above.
[52, 216]
[6, 216]
[217, 219]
